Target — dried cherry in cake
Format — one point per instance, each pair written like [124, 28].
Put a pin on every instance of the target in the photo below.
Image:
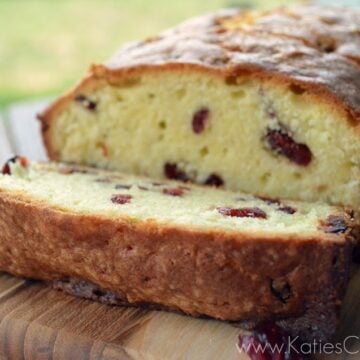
[175, 191]
[334, 224]
[22, 160]
[214, 180]
[121, 198]
[254, 212]
[281, 142]
[86, 102]
[68, 170]
[173, 172]
[200, 119]
[287, 209]
[281, 207]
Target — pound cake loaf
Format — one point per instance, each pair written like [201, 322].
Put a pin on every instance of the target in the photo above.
[123, 239]
[254, 101]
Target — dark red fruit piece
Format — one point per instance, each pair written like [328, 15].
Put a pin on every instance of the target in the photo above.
[86, 102]
[297, 89]
[287, 209]
[214, 180]
[199, 120]
[75, 170]
[334, 224]
[6, 170]
[172, 171]
[121, 198]
[282, 143]
[122, 186]
[173, 191]
[269, 342]
[243, 212]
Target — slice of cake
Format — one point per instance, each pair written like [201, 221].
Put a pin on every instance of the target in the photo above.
[131, 240]
[255, 101]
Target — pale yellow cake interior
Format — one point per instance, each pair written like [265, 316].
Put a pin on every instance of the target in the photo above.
[91, 193]
[144, 123]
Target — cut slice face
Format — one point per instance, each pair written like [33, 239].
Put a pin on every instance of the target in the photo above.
[82, 190]
[256, 137]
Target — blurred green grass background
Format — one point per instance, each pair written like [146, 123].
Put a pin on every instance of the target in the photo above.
[46, 45]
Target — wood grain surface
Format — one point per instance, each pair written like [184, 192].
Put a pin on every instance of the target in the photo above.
[37, 322]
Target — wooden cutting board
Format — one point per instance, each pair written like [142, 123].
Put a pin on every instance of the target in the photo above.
[37, 322]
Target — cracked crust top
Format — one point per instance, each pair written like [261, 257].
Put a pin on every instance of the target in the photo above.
[319, 46]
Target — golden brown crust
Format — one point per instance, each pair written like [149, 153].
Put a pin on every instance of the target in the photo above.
[314, 47]
[213, 273]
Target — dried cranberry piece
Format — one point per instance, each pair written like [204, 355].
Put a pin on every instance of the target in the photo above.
[281, 142]
[199, 120]
[86, 102]
[74, 170]
[214, 180]
[121, 198]
[6, 169]
[23, 161]
[287, 209]
[269, 342]
[173, 172]
[334, 224]
[173, 191]
[243, 212]
[297, 89]
[272, 201]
